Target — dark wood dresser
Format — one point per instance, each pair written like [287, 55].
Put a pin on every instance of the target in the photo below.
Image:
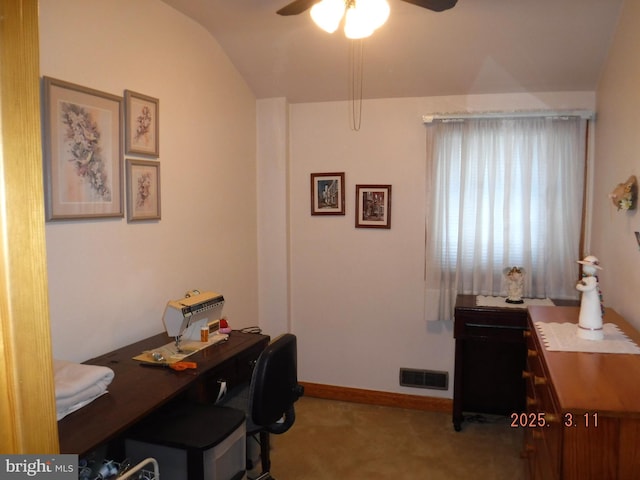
[490, 354]
[583, 409]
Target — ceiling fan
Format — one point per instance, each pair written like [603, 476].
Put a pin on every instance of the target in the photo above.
[361, 18]
[298, 6]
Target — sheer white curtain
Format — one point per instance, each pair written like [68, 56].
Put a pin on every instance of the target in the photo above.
[502, 192]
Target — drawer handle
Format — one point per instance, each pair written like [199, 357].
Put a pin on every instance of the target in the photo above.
[532, 353]
[552, 418]
[531, 402]
[526, 333]
[499, 327]
[536, 379]
[539, 380]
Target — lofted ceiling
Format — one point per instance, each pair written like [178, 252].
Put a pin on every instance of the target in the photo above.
[479, 46]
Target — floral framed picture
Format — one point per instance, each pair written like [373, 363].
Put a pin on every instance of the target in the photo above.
[327, 193]
[82, 149]
[142, 124]
[373, 206]
[143, 190]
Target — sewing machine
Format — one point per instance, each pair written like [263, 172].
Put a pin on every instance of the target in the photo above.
[192, 316]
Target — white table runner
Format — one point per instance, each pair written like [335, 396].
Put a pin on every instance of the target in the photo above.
[485, 301]
[562, 337]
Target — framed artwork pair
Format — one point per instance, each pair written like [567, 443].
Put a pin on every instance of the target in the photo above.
[373, 202]
[83, 153]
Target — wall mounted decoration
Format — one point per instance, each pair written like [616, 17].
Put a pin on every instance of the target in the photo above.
[373, 206]
[143, 190]
[625, 194]
[327, 193]
[142, 121]
[82, 152]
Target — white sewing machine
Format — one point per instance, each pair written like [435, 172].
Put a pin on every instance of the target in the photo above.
[192, 316]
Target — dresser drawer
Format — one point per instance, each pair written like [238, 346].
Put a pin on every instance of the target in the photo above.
[544, 440]
[540, 464]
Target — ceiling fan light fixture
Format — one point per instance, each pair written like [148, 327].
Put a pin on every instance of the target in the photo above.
[328, 14]
[375, 11]
[356, 25]
[362, 17]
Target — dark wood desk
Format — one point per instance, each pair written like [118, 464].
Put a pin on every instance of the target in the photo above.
[489, 359]
[137, 391]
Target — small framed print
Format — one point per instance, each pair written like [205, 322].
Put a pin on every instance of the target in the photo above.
[82, 152]
[142, 124]
[327, 193]
[373, 206]
[143, 190]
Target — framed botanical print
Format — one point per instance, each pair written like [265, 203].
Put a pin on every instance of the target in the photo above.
[142, 121]
[143, 190]
[327, 193]
[82, 150]
[373, 206]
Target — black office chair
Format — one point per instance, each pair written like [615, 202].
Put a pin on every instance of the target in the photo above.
[268, 401]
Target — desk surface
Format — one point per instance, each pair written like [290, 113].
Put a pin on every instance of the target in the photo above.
[136, 390]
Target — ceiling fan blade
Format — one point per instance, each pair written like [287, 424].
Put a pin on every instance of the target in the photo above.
[435, 5]
[296, 7]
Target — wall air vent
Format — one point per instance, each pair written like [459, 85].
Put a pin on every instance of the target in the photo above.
[410, 377]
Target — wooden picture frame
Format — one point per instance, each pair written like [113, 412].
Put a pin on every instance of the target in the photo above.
[82, 152]
[373, 206]
[143, 190]
[142, 124]
[327, 193]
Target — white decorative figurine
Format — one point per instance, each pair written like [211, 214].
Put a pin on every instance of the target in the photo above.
[515, 284]
[590, 319]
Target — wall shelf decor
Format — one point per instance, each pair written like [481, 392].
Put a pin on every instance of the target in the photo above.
[625, 194]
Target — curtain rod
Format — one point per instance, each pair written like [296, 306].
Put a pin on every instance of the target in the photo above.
[458, 117]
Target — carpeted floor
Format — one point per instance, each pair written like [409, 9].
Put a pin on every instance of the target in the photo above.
[347, 441]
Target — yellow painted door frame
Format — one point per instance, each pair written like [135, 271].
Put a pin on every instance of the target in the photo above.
[27, 409]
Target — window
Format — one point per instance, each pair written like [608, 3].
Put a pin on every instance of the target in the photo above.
[500, 193]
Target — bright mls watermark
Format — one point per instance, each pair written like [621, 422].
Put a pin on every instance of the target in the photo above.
[51, 467]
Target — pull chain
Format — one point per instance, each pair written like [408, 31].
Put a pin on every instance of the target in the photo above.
[356, 63]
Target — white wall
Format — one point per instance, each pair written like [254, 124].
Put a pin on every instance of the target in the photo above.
[618, 157]
[357, 294]
[109, 280]
[273, 227]
[353, 296]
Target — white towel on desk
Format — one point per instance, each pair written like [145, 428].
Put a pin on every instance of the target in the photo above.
[78, 384]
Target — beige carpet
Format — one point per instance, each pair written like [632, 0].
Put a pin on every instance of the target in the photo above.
[346, 441]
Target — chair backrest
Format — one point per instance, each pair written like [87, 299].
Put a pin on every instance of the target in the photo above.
[274, 385]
